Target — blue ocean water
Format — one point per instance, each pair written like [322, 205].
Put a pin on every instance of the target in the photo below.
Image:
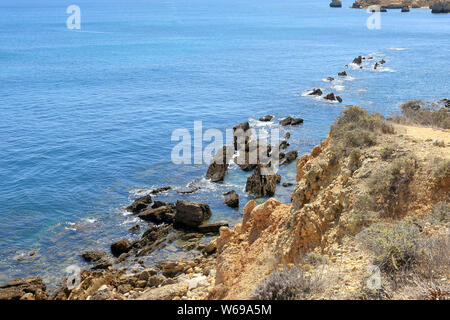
[86, 115]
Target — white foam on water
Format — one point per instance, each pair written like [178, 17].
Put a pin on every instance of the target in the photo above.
[130, 220]
[398, 49]
[338, 87]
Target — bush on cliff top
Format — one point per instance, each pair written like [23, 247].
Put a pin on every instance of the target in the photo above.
[356, 128]
[423, 113]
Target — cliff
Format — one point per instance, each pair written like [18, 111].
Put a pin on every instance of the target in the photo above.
[367, 180]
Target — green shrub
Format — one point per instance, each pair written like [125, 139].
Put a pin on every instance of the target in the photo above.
[395, 246]
[387, 151]
[424, 113]
[290, 284]
[442, 169]
[356, 128]
[391, 185]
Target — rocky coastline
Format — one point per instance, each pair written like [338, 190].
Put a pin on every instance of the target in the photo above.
[271, 236]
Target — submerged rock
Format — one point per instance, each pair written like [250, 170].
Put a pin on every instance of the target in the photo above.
[231, 199]
[191, 214]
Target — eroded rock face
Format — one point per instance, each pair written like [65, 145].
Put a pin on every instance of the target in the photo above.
[219, 164]
[261, 184]
[191, 214]
[231, 199]
[24, 289]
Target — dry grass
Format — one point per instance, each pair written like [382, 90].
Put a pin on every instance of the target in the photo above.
[417, 112]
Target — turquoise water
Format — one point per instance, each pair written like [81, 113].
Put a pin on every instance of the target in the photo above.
[86, 115]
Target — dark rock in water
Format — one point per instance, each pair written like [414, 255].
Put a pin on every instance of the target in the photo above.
[119, 247]
[284, 144]
[281, 155]
[446, 103]
[375, 66]
[336, 4]
[405, 9]
[290, 156]
[339, 99]
[211, 227]
[287, 135]
[266, 118]
[356, 5]
[219, 164]
[164, 214]
[441, 7]
[135, 229]
[394, 6]
[159, 190]
[330, 97]
[382, 61]
[262, 182]
[243, 126]
[383, 9]
[330, 79]
[291, 121]
[357, 60]
[231, 199]
[191, 214]
[287, 184]
[24, 289]
[342, 74]
[315, 92]
[140, 204]
[92, 256]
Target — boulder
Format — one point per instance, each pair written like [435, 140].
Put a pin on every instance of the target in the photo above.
[287, 184]
[140, 204]
[211, 227]
[25, 289]
[342, 74]
[135, 229]
[441, 7]
[92, 256]
[315, 92]
[290, 156]
[244, 126]
[357, 60]
[330, 79]
[405, 9]
[291, 121]
[219, 164]
[330, 97]
[164, 214]
[266, 118]
[119, 247]
[284, 144]
[191, 214]
[339, 99]
[336, 4]
[231, 199]
[260, 184]
[254, 152]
